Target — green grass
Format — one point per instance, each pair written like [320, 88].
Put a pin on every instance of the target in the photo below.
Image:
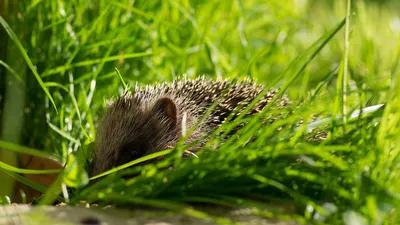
[74, 54]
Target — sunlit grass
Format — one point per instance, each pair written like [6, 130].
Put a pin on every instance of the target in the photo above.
[77, 53]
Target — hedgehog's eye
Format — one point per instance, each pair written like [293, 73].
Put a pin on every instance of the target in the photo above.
[135, 154]
[129, 153]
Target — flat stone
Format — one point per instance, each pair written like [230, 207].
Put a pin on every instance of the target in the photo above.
[19, 214]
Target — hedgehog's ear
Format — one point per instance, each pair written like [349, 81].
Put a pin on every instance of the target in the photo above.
[166, 107]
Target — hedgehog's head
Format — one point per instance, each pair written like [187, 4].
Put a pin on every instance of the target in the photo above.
[132, 128]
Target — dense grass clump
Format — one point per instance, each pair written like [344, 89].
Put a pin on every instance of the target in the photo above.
[337, 61]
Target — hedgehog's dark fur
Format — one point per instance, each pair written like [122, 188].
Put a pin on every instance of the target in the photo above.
[150, 119]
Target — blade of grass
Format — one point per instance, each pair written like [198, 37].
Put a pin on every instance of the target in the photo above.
[28, 182]
[63, 133]
[27, 171]
[22, 149]
[345, 79]
[16, 41]
[134, 162]
[54, 84]
[96, 61]
[25, 181]
[15, 74]
[122, 79]
[52, 192]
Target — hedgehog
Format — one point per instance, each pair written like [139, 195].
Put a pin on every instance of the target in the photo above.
[150, 118]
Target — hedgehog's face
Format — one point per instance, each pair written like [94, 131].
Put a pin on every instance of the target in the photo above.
[131, 129]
